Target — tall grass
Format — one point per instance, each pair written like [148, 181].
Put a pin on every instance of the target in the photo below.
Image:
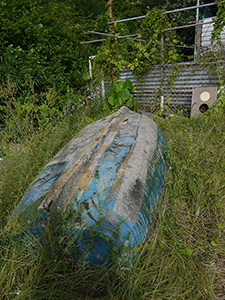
[184, 260]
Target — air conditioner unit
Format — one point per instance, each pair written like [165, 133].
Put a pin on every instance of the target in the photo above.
[202, 99]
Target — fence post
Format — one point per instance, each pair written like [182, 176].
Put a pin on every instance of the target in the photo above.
[112, 40]
[198, 35]
[198, 32]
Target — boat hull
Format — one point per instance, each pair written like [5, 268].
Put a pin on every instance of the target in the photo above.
[108, 180]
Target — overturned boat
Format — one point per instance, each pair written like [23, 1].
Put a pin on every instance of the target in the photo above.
[108, 181]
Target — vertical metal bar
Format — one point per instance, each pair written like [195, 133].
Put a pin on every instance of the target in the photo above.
[112, 40]
[162, 71]
[196, 30]
[162, 48]
[197, 12]
[103, 87]
[90, 71]
[90, 66]
[198, 37]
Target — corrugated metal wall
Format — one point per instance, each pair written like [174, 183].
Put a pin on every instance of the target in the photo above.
[178, 82]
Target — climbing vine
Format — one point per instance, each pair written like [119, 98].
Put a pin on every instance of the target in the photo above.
[142, 52]
[155, 50]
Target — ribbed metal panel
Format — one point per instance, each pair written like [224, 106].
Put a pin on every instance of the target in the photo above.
[176, 86]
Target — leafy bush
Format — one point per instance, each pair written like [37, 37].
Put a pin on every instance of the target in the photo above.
[40, 48]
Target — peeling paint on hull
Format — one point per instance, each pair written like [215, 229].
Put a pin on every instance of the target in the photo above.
[112, 175]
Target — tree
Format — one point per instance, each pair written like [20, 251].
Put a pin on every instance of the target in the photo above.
[40, 42]
[149, 4]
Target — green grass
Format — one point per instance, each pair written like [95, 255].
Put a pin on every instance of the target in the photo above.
[185, 259]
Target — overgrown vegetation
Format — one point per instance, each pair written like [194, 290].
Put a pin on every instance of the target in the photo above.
[142, 52]
[40, 46]
[184, 259]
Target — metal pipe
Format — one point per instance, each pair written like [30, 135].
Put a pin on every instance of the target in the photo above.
[94, 41]
[162, 48]
[90, 69]
[191, 7]
[116, 36]
[100, 40]
[162, 70]
[126, 36]
[112, 41]
[129, 19]
[103, 87]
[186, 26]
[197, 12]
[190, 63]
[102, 33]
[139, 40]
[180, 46]
[90, 66]
[169, 11]
[196, 28]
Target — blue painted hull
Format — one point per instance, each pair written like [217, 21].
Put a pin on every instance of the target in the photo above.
[110, 178]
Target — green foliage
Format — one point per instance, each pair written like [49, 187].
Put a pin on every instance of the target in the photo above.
[151, 52]
[136, 55]
[82, 105]
[150, 4]
[119, 94]
[185, 36]
[40, 46]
